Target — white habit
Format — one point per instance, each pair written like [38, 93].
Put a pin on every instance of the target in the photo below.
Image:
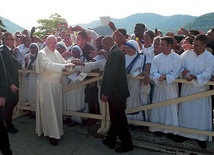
[196, 114]
[134, 100]
[169, 65]
[30, 78]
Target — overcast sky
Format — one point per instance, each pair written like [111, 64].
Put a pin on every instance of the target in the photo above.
[26, 13]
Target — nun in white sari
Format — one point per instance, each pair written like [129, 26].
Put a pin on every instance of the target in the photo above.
[134, 67]
[74, 99]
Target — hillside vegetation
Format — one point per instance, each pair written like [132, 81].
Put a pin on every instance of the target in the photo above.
[151, 20]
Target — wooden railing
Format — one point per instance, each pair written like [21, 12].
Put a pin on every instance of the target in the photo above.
[104, 116]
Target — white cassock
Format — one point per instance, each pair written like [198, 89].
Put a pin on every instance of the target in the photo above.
[31, 78]
[196, 114]
[134, 85]
[170, 65]
[49, 109]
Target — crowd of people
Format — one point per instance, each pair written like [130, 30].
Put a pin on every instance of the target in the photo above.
[161, 59]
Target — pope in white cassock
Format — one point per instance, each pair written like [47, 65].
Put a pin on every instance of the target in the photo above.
[197, 67]
[49, 109]
[165, 68]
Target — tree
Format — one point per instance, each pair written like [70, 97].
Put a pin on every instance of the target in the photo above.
[49, 25]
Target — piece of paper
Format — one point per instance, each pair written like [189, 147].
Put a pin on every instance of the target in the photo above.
[82, 76]
[73, 76]
[105, 20]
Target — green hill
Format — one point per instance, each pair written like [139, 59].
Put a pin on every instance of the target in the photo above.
[10, 26]
[202, 23]
[151, 20]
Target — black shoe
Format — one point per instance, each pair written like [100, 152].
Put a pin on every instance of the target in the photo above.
[179, 139]
[123, 149]
[53, 141]
[158, 134]
[109, 144]
[12, 130]
[170, 135]
[71, 124]
[131, 127]
[32, 114]
[202, 144]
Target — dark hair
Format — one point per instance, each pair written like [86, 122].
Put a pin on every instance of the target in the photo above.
[202, 38]
[151, 33]
[179, 38]
[168, 39]
[194, 32]
[83, 34]
[122, 31]
[5, 36]
[142, 25]
[3, 30]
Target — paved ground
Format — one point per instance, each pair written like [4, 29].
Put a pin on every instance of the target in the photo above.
[82, 140]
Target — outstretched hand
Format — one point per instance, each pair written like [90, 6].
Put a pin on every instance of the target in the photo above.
[69, 65]
[112, 26]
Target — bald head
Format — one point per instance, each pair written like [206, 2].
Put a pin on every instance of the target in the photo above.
[51, 42]
[107, 43]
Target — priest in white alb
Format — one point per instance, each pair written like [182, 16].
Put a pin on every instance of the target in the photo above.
[165, 69]
[197, 67]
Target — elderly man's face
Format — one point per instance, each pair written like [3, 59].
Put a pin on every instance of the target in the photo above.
[9, 41]
[51, 43]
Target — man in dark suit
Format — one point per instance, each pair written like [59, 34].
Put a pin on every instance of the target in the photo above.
[4, 140]
[114, 90]
[13, 79]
